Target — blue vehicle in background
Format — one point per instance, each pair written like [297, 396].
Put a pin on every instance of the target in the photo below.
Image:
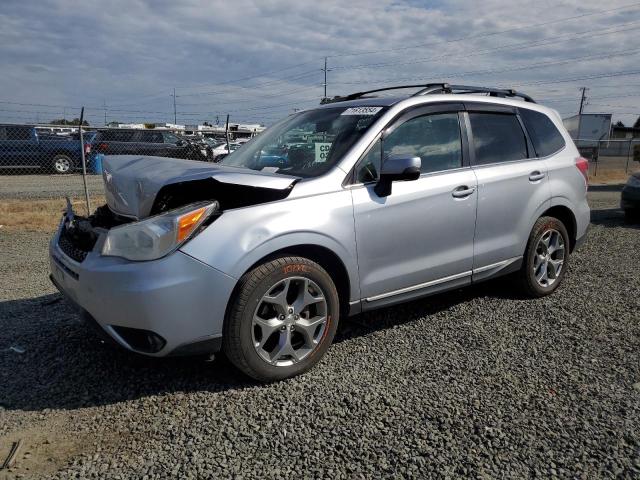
[24, 147]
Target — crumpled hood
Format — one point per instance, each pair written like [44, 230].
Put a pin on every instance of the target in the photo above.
[132, 182]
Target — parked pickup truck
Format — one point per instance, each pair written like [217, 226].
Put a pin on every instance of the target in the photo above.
[23, 147]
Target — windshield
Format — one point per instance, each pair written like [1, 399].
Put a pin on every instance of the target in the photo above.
[307, 144]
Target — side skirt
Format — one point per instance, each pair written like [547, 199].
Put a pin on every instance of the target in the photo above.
[480, 274]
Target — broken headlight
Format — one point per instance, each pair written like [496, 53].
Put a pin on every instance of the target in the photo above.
[156, 236]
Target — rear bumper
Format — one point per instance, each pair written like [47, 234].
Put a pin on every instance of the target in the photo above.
[176, 298]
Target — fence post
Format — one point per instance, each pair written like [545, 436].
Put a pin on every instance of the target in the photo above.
[626, 167]
[84, 163]
[226, 134]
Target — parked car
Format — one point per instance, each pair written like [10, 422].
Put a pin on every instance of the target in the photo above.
[399, 198]
[222, 151]
[630, 198]
[23, 147]
[145, 142]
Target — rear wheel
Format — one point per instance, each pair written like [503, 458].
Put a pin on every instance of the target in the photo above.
[546, 257]
[61, 163]
[282, 320]
[632, 215]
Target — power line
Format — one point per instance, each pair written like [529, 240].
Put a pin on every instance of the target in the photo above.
[253, 87]
[488, 34]
[516, 46]
[502, 70]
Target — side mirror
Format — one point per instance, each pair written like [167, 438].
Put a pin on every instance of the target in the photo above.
[397, 169]
[180, 143]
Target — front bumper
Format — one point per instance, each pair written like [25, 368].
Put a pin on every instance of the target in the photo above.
[177, 298]
[630, 198]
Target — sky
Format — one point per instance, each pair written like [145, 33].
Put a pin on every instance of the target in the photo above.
[261, 60]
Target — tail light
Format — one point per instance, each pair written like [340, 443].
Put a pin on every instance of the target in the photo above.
[102, 147]
[582, 164]
[87, 148]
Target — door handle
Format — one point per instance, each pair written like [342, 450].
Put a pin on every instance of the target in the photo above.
[462, 191]
[535, 176]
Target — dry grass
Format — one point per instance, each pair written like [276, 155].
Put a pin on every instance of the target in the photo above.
[38, 215]
[608, 177]
[43, 215]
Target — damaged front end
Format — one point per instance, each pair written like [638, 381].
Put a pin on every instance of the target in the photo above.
[155, 204]
[79, 234]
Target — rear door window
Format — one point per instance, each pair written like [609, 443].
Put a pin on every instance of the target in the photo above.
[150, 137]
[170, 138]
[544, 135]
[497, 137]
[116, 136]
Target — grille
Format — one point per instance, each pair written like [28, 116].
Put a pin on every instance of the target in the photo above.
[72, 251]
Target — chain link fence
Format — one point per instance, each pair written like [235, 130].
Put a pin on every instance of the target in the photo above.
[45, 160]
[610, 157]
[56, 150]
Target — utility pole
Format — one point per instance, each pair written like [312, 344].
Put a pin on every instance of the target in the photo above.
[325, 77]
[582, 99]
[104, 103]
[175, 115]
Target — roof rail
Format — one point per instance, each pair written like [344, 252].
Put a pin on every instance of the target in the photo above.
[431, 88]
[493, 92]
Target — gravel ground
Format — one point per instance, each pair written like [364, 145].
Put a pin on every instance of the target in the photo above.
[48, 186]
[476, 382]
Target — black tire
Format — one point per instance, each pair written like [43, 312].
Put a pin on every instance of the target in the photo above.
[527, 278]
[632, 215]
[62, 164]
[238, 340]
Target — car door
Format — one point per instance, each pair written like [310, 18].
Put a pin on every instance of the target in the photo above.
[512, 186]
[419, 238]
[20, 147]
[174, 146]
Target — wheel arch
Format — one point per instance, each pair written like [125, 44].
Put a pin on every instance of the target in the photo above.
[323, 256]
[567, 217]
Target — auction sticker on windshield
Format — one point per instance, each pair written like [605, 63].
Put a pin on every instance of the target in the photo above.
[322, 151]
[361, 111]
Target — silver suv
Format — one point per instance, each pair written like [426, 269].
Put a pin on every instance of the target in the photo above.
[360, 203]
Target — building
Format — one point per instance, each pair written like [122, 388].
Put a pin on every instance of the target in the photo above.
[589, 127]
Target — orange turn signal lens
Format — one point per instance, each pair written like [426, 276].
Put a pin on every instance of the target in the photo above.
[188, 222]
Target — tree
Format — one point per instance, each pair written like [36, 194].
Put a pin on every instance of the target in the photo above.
[619, 124]
[637, 124]
[62, 121]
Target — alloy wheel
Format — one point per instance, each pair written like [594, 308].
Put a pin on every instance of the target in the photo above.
[289, 321]
[549, 258]
[62, 164]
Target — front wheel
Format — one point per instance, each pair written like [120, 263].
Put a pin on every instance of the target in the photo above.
[546, 258]
[282, 320]
[61, 164]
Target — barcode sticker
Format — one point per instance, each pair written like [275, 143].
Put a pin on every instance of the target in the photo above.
[361, 111]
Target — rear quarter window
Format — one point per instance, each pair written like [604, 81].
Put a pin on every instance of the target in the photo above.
[545, 137]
